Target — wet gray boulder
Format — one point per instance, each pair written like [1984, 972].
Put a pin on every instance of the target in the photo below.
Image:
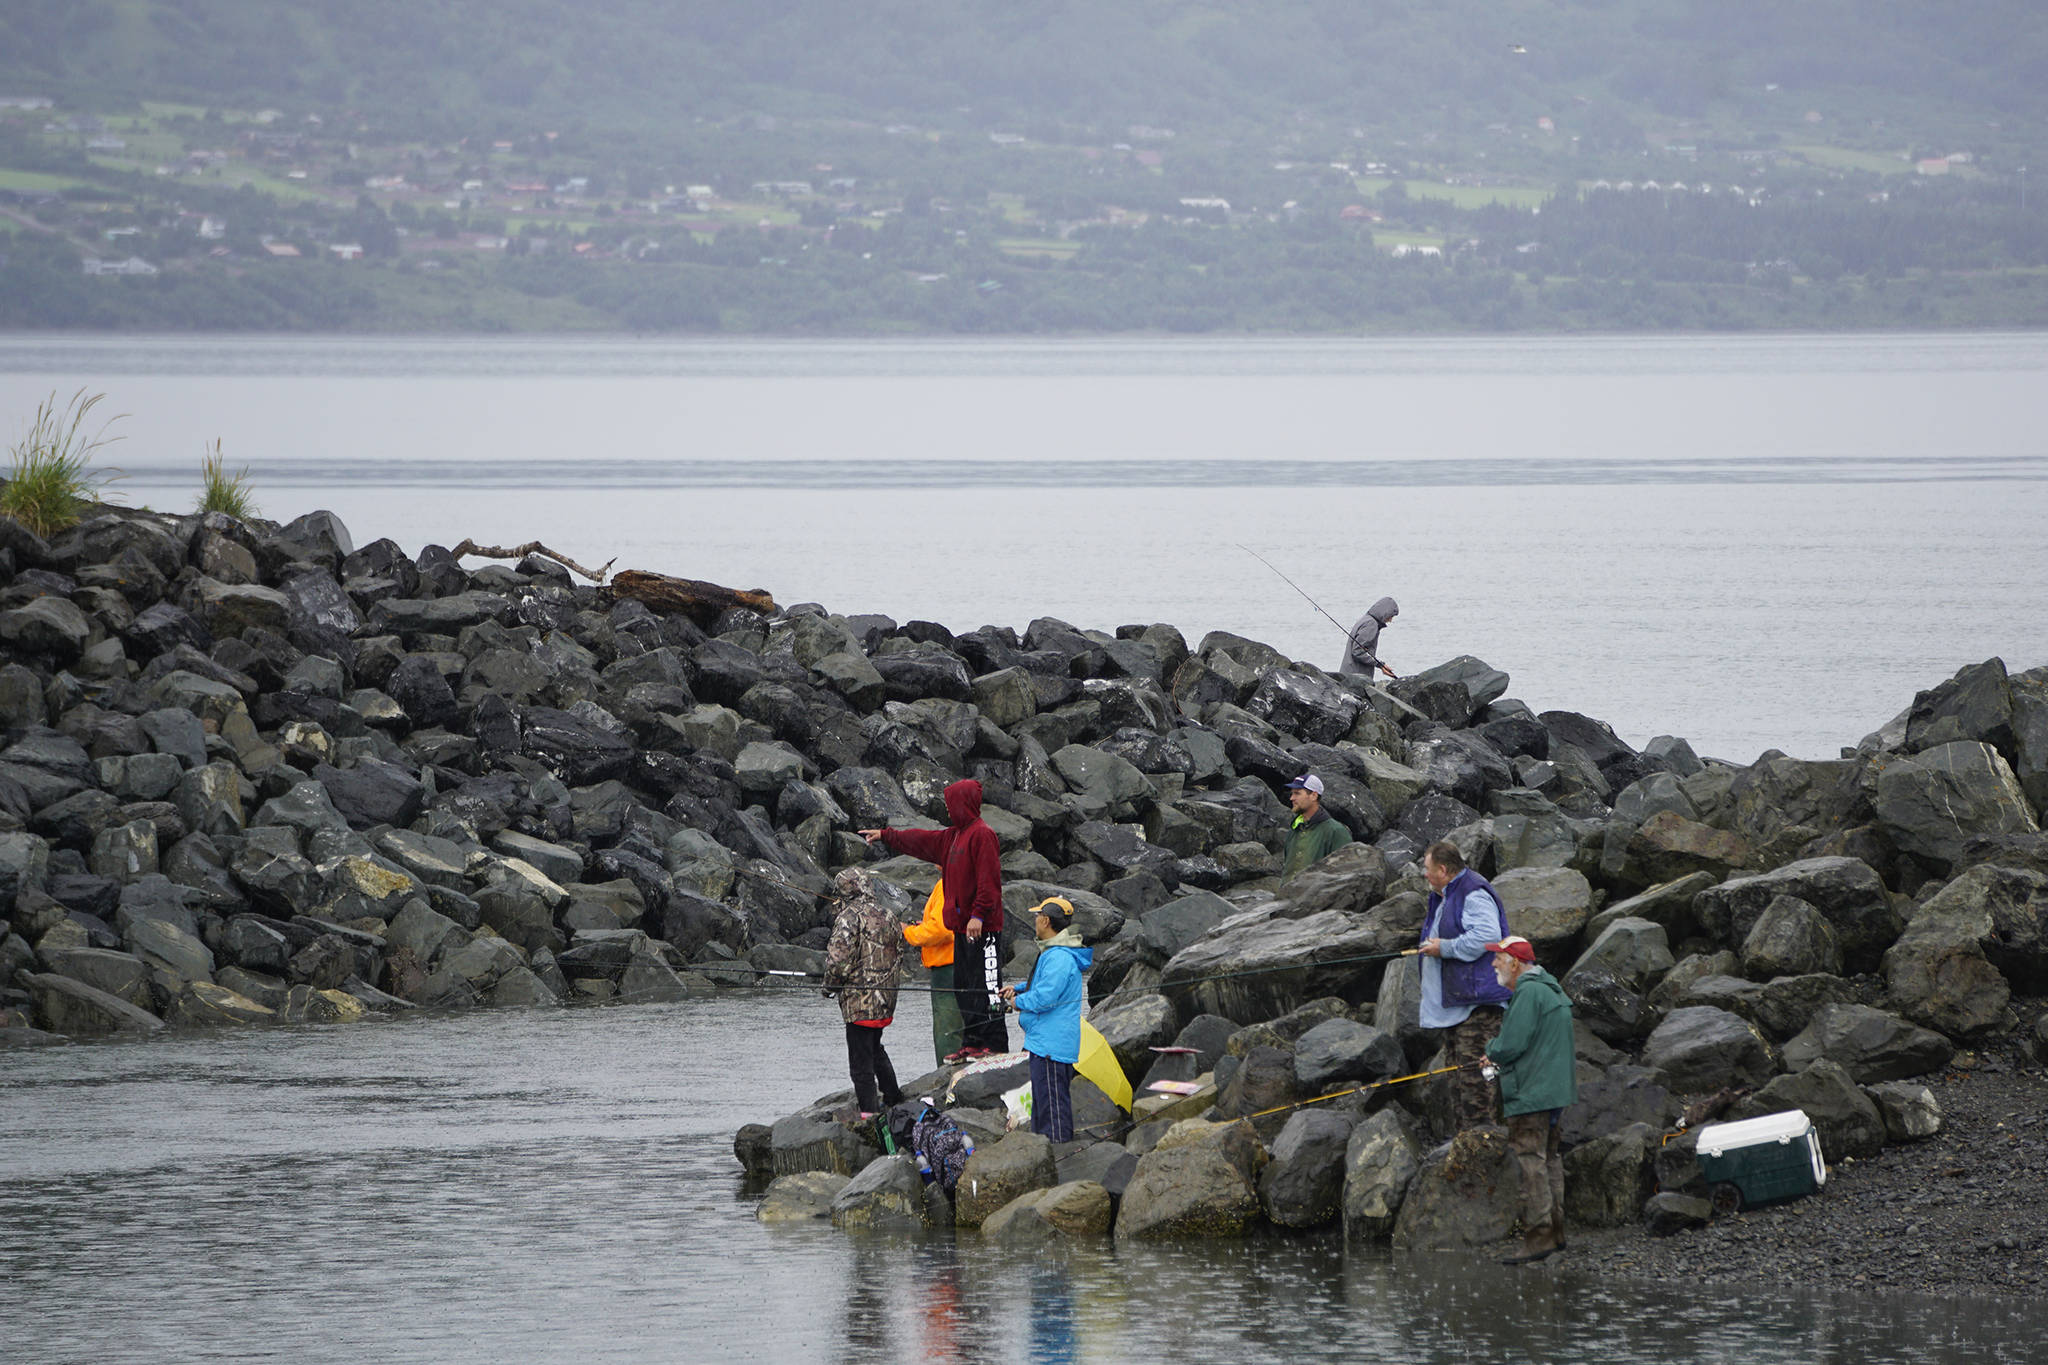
[1846, 891]
[1846, 1119]
[578, 752]
[1260, 964]
[1701, 1049]
[1870, 1044]
[48, 626]
[2004, 911]
[1352, 879]
[1975, 704]
[1317, 708]
[1790, 938]
[1549, 906]
[1167, 929]
[1381, 1159]
[1187, 1192]
[1302, 1186]
[1263, 1081]
[1342, 1050]
[1133, 1025]
[1074, 1208]
[77, 1010]
[372, 793]
[1668, 1214]
[118, 974]
[1667, 846]
[1467, 1193]
[1937, 974]
[1931, 804]
[999, 1172]
[886, 1196]
[1607, 1178]
[1616, 1099]
[1610, 984]
[170, 949]
[800, 1198]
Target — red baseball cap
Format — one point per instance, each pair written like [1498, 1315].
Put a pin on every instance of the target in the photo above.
[1514, 946]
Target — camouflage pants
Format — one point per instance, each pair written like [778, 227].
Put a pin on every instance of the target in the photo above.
[1474, 1103]
[1533, 1137]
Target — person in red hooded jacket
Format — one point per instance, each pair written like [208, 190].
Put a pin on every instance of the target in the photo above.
[969, 864]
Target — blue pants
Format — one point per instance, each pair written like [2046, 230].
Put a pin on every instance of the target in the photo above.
[1052, 1098]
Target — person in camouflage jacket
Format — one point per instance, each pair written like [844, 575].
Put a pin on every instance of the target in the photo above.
[860, 968]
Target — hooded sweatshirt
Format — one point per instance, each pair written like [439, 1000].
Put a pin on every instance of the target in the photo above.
[968, 856]
[1049, 1006]
[1363, 655]
[861, 958]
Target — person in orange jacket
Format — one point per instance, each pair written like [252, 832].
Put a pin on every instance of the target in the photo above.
[931, 937]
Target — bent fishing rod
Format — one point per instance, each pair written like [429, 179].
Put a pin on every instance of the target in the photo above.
[1348, 635]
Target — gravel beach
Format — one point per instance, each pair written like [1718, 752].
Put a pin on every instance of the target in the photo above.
[1964, 1212]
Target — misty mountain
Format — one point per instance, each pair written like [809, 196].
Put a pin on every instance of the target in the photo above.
[1095, 67]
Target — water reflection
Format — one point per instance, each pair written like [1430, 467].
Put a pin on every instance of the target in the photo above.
[560, 1186]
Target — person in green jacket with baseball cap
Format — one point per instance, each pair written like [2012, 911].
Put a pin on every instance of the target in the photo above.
[1314, 835]
[1538, 1081]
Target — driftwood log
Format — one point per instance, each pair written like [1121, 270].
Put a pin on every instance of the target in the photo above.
[701, 602]
[531, 547]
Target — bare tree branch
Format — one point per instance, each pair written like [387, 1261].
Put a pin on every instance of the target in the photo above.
[532, 547]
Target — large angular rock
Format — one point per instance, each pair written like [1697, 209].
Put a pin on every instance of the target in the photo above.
[48, 626]
[1303, 1185]
[1790, 938]
[1549, 906]
[372, 793]
[2004, 911]
[77, 1010]
[1341, 1050]
[1870, 1044]
[1182, 1192]
[1937, 974]
[205, 1004]
[800, 1198]
[1260, 965]
[999, 1172]
[1074, 1208]
[1846, 891]
[887, 1196]
[1381, 1159]
[1847, 1120]
[1933, 803]
[118, 974]
[1701, 1049]
[1667, 846]
[1467, 1193]
[1975, 704]
[1617, 1099]
[1607, 1178]
[1610, 983]
[1317, 708]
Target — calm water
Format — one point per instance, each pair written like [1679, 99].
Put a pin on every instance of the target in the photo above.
[561, 1187]
[1754, 542]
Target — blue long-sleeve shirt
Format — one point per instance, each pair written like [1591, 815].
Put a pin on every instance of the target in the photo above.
[1482, 926]
[1050, 1009]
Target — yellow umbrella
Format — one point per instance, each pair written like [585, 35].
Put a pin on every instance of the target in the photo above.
[1099, 1064]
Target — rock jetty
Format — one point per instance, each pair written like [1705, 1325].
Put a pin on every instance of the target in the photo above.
[255, 773]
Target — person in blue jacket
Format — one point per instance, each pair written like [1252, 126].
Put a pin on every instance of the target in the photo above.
[1049, 1008]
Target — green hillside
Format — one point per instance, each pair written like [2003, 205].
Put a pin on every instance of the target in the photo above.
[642, 65]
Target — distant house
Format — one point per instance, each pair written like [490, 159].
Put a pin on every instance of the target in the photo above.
[1933, 165]
[106, 143]
[134, 265]
[26, 102]
[347, 251]
[1359, 213]
[1413, 249]
[1206, 202]
[1007, 139]
[786, 188]
[280, 249]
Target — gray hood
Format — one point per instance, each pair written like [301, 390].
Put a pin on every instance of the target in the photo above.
[1384, 610]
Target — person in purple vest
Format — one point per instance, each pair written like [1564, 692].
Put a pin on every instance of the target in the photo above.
[1459, 990]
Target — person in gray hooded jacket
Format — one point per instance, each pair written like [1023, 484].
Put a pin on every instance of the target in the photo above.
[1362, 656]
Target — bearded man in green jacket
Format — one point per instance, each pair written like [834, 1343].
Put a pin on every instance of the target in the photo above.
[1538, 1081]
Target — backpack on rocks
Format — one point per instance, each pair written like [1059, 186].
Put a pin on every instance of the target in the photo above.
[942, 1148]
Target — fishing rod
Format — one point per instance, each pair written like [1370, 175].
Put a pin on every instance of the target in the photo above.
[708, 968]
[1109, 1124]
[1304, 595]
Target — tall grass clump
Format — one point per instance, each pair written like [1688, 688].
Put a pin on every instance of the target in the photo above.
[52, 475]
[221, 491]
